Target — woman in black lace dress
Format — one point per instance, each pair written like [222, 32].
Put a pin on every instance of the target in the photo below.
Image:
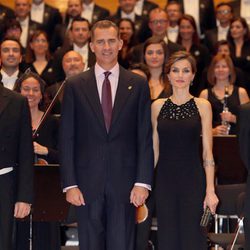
[183, 186]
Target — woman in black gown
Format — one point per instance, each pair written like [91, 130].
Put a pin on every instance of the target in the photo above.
[46, 235]
[183, 187]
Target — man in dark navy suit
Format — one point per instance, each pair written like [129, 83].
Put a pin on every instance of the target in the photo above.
[106, 145]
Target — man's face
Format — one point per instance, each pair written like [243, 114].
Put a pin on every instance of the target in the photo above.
[22, 8]
[173, 12]
[106, 46]
[10, 54]
[127, 5]
[158, 23]
[224, 14]
[74, 8]
[72, 63]
[80, 32]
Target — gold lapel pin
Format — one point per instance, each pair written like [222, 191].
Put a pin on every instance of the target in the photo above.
[129, 87]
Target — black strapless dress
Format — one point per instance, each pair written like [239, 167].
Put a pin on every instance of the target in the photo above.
[180, 180]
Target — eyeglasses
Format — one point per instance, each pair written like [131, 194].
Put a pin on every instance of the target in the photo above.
[161, 21]
[224, 12]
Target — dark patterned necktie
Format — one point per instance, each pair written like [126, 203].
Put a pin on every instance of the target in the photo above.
[107, 100]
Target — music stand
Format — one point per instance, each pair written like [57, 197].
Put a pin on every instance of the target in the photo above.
[49, 202]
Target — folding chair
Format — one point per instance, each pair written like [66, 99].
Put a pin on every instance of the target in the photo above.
[230, 207]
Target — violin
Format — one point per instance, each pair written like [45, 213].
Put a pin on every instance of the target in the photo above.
[41, 161]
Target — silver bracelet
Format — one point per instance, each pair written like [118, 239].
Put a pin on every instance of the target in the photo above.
[208, 163]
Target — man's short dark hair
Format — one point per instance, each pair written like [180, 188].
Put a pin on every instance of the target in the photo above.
[104, 24]
[225, 4]
[11, 39]
[79, 19]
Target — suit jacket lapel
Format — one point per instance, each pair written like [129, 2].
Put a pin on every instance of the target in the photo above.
[92, 95]
[123, 91]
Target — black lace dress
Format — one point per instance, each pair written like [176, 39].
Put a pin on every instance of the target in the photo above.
[180, 181]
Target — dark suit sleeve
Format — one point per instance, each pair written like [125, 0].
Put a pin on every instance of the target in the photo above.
[244, 134]
[66, 138]
[25, 157]
[144, 134]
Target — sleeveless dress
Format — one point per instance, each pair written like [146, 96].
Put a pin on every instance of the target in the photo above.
[217, 107]
[180, 180]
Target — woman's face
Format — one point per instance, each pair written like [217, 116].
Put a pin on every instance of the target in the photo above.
[221, 70]
[154, 56]
[186, 30]
[39, 45]
[181, 75]
[31, 89]
[126, 30]
[237, 30]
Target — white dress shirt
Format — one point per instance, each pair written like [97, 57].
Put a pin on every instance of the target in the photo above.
[37, 12]
[173, 33]
[139, 7]
[25, 32]
[9, 81]
[222, 33]
[130, 16]
[84, 52]
[245, 10]
[87, 12]
[192, 8]
[165, 39]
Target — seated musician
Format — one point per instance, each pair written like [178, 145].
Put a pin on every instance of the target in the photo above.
[224, 96]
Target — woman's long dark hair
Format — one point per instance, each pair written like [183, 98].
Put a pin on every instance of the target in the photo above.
[163, 76]
[30, 55]
[190, 19]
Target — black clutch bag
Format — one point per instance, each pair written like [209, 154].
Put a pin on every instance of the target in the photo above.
[206, 217]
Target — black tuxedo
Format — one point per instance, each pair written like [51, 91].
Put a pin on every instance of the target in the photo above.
[5, 15]
[32, 27]
[147, 7]
[211, 38]
[236, 5]
[244, 141]
[206, 14]
[51, 17]
[58, 69]
[19, 75]
[99, 13]
[142, 31]
[105, 166]
[16, 150]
